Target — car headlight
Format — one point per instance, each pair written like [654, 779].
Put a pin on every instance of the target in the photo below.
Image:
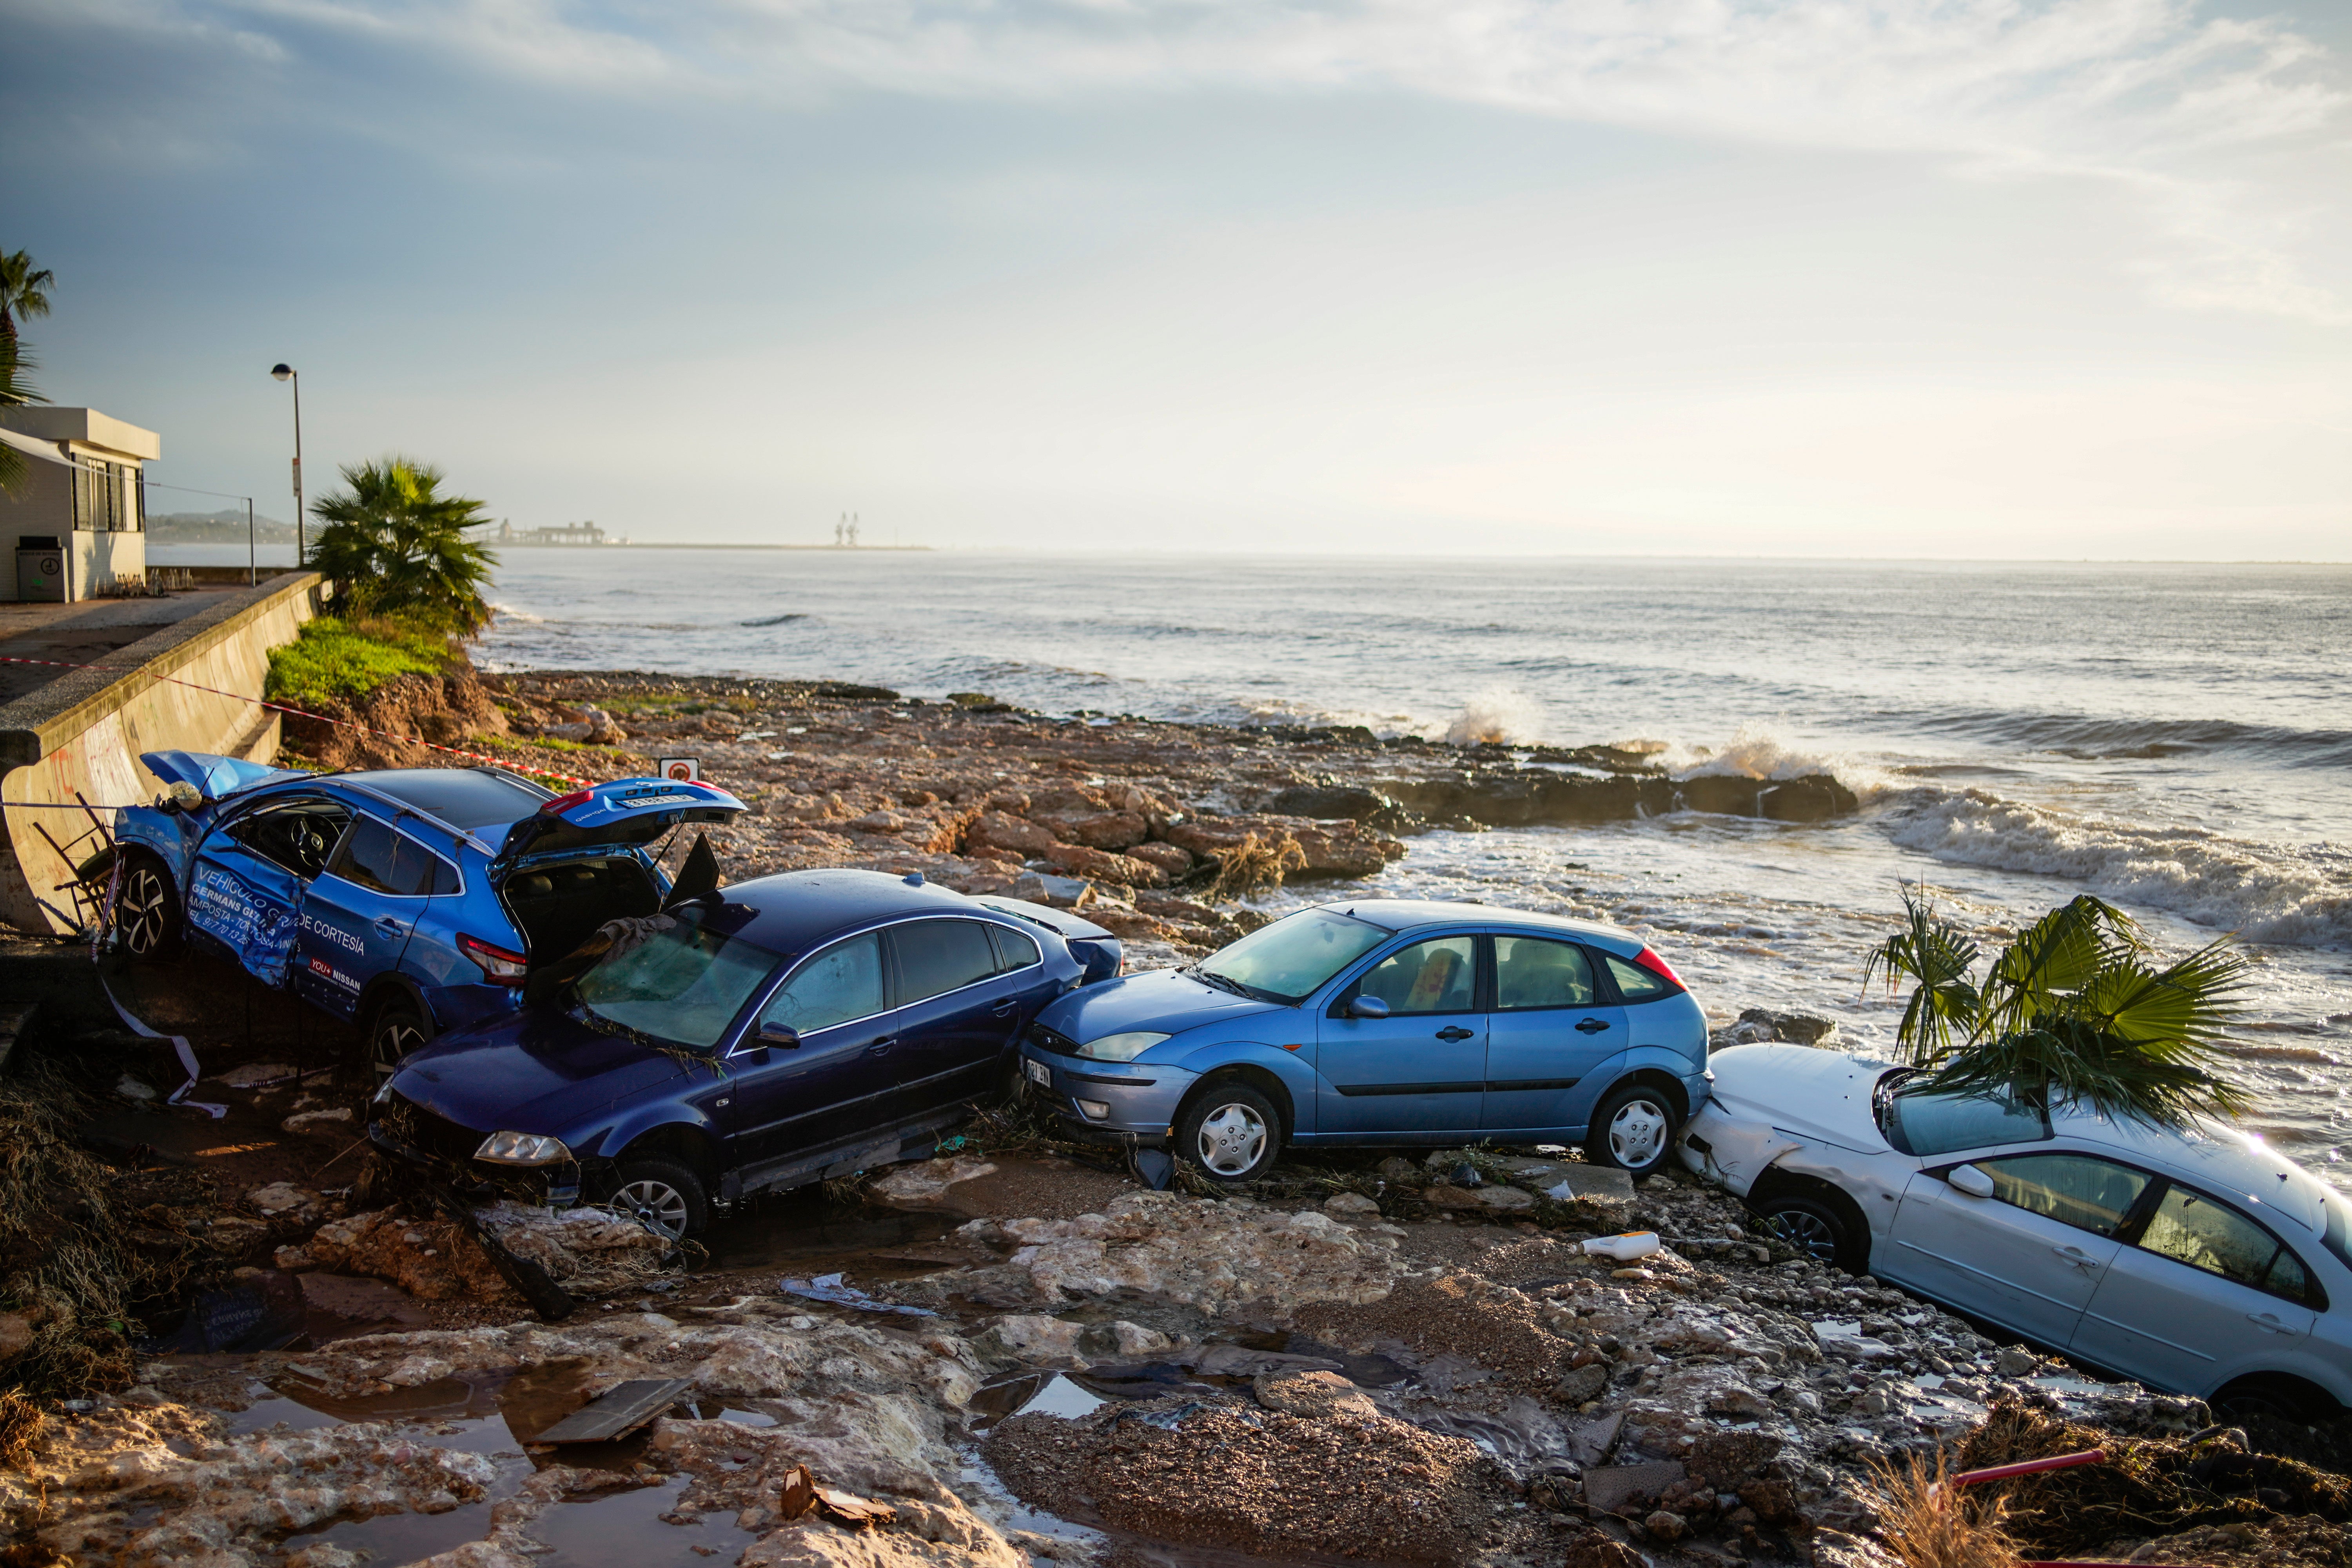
[1120, 1047]
[522, 1149]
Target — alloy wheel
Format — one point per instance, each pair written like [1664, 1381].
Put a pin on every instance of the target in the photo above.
[395, 1036]
[1636, 1133]
[1232, 1138]
[654, 1204]
[144, 913]
[1808, 1233]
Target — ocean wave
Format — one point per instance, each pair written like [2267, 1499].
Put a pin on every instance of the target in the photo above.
[1756, 752]
[1499, 713]
[775, 620]
[2264, 892]
[519, 617]
[2089, 737]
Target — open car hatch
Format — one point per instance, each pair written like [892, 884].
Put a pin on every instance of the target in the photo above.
[623, 814]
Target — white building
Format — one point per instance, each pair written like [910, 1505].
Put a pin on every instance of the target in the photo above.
[79, 520]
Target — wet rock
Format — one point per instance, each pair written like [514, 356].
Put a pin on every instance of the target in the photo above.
[1761, 1023]
[317, 1121]
[433, 1260]
[1582, 1383]
[2014, 1362]
[924, 1184]
[1061, 892]
[1327, 801]
[1102, 866]
[1033, 1340]
[1351, 1205]
[1666, 1527]
[1622, 1489]
[285, 1201]
[588, 1251]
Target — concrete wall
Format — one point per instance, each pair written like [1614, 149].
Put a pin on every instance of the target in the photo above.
[84, 732]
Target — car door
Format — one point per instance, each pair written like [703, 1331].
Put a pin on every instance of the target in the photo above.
[1423, 1068]
[787, 1101]
[2203, 1293]
[359, 914]
[1550, 1026]
[957, 1011]
[2031, 1256]
[246, 882]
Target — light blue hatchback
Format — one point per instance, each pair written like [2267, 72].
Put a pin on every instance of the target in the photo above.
[1385, 1022]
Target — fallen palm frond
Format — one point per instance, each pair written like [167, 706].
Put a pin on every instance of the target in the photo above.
[1927, 1522]
[1253, 866]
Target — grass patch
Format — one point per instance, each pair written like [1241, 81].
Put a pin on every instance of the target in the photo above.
[336, 660]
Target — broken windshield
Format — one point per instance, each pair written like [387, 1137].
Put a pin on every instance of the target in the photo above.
[682, 985]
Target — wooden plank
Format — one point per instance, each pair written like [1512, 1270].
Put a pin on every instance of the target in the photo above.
[619, 1410]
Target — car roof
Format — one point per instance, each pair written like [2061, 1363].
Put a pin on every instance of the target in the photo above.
[462, 797]
[797, 910]
[1408, 914]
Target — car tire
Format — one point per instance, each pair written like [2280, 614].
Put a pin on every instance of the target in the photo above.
[1229, 1132]
[661, 1195]
[1815, 1229]
[147, 909]
[396, 1026]
[2276, 1397]
[1633, 1130]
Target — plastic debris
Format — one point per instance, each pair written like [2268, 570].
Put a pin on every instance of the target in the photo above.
[828, 1289]
[1467, 1175]
[1623, 1248]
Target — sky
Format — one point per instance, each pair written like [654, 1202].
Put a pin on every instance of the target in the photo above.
[1961, 278]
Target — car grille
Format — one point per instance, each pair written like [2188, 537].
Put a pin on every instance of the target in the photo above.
[1052, 1041]
[427, 1132]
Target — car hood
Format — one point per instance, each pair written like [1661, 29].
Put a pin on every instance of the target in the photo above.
[1800, 1089]
[542, 1071]
[215, 778]
[1165, 1000]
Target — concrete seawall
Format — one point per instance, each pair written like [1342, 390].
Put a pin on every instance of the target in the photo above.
[79, 737]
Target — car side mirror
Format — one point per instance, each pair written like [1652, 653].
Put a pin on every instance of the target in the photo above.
[1969, 1180]
[782, 1036]
[1366, 1007]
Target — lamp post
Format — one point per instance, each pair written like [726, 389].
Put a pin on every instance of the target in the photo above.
[302, 543]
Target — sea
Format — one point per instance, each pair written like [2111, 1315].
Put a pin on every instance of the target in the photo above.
[2176, 739]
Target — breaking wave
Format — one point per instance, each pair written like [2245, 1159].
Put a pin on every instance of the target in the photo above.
[1496, 715]
[2264, 892]
[1755, 752]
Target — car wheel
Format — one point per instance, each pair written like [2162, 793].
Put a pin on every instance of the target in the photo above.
[147, 909]
[2279, 1398]
[397, 1027]
[662, 1195]
[1634, 1129]
[1813, 1228]
[1230, 1132]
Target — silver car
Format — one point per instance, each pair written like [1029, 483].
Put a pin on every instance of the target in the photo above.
[2200, 1263]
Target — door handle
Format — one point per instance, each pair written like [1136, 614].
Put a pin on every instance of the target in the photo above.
[882, 1044]
[1007, 1008]
[389, 926]
[1591, 1026]
[2076, 1255]
[2264, 1321]
[1454, 1032]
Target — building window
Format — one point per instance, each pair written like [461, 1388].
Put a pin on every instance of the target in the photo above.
[107, 497]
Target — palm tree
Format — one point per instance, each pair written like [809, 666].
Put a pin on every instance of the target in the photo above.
[24, 291]
[15, 392]
[393, 542]
[2075, 1008]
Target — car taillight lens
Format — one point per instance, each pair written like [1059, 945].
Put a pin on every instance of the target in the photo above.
[1658, 966]
[499, 967]
[564, 803]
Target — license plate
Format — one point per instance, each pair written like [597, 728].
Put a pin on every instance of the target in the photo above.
[1039, 1072]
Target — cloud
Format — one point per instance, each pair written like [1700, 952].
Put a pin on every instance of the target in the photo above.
[2154, 94]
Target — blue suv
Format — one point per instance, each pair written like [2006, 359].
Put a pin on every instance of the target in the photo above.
[1385, 1022]
[409, 900]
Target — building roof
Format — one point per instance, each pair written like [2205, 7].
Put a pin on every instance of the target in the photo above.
[84, 428]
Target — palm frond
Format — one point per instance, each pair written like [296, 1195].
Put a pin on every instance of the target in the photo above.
[2055, 957]
[1938, 957]
[2059, 1060]
[2186, 1002]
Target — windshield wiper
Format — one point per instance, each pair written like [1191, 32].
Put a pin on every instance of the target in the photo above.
[1222, 982]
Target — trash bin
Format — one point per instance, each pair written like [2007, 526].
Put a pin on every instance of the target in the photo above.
[40, 569]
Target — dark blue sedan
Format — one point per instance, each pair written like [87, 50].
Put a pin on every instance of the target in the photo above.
[780, 1032]
[1385, 1022]
[409, 900]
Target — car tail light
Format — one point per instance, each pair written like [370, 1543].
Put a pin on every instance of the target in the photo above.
[1658, 966]
[564, 803]
[499, 967]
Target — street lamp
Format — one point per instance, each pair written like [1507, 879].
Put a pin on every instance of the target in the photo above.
[286, 372]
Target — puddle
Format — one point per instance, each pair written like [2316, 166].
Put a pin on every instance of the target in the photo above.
[403, 1537]
[810, 1235]
[1036, 1394]
[626, 1530]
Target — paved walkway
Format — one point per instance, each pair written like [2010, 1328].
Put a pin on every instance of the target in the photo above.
[86, 632]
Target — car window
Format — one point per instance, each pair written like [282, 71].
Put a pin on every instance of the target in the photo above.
[1014, 950]
[2088, 1194]
[1290, 960]
[1532, 973]
[372, 856]
[1923, 1124]
[1635, 983]
[684, 984]
[939, 956]
[842, 982]
[2193, 1228]
[300, 837]
[1435, 977]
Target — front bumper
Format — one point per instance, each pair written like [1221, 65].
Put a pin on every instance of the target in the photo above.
[439, 1149]
[1138, 1102]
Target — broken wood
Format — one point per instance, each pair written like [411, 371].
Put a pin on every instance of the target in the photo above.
[618, 1410]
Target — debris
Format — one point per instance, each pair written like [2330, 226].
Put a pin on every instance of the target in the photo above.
[309, 1121]
[256, 1075]
[1624, 1248]
[923, 1184]
[828, 1287]
[620, 1409]
[1590, 1182]
[131, 1089]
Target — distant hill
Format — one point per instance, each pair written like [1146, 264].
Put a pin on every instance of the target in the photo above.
[225, 527]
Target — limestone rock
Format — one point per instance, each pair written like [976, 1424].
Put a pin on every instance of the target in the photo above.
[923, 1184]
